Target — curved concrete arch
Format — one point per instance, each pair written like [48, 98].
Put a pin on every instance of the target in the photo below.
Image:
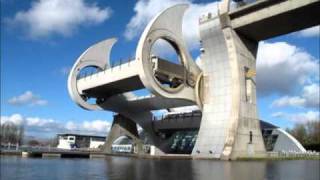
[286, 142]
[97, 55]
[121, 138]
[144, 119]
[122, 127]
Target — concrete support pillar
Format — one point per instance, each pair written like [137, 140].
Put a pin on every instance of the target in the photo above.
[244, 133]
[123, 126]
[229, 114]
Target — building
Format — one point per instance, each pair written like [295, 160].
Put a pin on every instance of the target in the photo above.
[223, 88]
[73, 141]
[182, 129]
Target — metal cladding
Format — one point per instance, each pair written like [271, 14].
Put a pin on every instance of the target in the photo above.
[224, 90]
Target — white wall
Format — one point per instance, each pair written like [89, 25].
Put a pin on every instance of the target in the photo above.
[96, 144]
[286, 142]
[65, 142]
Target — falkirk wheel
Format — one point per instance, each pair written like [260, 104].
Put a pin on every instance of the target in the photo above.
[224, 89]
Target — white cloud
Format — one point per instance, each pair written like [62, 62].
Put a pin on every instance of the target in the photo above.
[14, 118]
[312, 95]
[298, 117]
[277, 114]
[309, 32]
[63, 17]
[97, 126]
[43, 125]
[289, 101]
[36, 121]
[282, 67]
[146, 10]
[307, 116]
[71, 126]
[33, 124]
[27, 98]
[100, 127]
[310, 98]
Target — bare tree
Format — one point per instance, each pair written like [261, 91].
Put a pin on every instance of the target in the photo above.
[11, 133]
[307, 133]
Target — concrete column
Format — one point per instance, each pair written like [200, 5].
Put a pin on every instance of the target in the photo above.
[229, 106]
[123, 126]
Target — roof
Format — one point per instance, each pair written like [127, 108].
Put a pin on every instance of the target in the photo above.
[267, 125]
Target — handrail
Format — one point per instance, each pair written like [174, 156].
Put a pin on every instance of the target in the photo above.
[113, 65]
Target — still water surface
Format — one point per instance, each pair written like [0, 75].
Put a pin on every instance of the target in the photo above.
[118, 168]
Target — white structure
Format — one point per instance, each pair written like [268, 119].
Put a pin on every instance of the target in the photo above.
[66, 142]
[224, 89]
[286, 142]
[122, 144]
[96, 142]
[72, 141]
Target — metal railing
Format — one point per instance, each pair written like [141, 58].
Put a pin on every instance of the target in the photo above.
[117, 64]
[45, 149]
[292, 154]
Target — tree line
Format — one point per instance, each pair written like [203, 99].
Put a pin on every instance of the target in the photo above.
[11, 133]
[308, 134]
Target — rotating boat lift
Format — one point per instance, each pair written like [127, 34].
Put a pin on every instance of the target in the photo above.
[224, 89]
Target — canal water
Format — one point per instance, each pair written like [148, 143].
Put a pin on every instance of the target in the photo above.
[118, 168]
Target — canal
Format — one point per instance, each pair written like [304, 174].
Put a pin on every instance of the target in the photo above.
[118, 168]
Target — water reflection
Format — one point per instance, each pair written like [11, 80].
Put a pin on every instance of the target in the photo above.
[117, 168]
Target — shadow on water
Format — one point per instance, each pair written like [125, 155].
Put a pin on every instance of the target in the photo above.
[117, 168]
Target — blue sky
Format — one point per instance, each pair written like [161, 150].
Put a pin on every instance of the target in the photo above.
[40, 41]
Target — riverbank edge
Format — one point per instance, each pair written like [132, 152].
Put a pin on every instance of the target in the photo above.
[92, 155]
